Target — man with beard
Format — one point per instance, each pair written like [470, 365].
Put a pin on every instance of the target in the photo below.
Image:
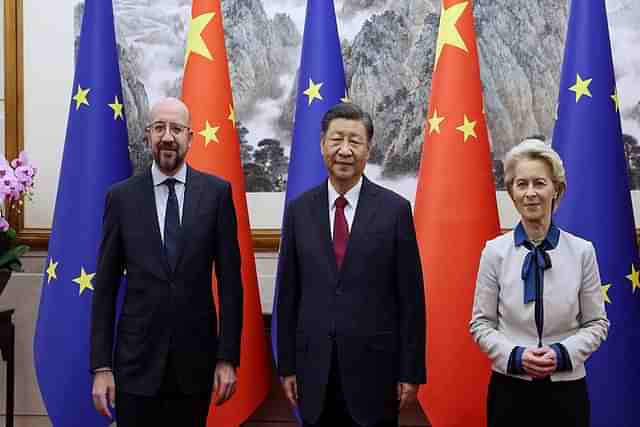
[166, 229]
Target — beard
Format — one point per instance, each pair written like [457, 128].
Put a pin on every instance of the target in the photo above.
[168, 157]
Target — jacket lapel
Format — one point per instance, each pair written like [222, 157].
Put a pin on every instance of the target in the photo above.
[148, 204]
[320, 214]
[192, 193]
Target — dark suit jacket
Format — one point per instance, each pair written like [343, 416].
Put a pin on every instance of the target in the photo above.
[373, 307]
[167, 311]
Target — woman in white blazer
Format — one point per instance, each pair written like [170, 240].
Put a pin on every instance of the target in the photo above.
[538, 311]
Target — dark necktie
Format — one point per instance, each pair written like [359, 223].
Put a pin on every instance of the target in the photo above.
[340, 231]
[171, 224]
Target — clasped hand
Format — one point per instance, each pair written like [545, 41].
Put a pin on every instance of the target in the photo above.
[539, 362]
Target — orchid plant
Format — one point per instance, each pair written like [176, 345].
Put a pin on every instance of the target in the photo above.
[16, 184]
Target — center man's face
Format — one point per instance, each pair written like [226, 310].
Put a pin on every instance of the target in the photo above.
[169, 137]
[345, 149]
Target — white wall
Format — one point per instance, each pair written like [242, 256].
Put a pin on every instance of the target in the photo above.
[48, 76]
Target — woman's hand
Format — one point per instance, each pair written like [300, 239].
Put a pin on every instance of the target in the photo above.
[539, 362]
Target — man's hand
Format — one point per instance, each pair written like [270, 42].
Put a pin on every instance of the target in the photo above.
[104, 392]
[224, 382]
[290, 386]
[539, 362]
[407, 393]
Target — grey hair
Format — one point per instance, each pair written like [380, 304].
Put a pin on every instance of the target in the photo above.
[536, 149]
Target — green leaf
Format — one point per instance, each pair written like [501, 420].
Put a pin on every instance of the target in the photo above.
[11, 258]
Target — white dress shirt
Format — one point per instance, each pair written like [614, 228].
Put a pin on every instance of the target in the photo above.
[352, 196]
[162, 192]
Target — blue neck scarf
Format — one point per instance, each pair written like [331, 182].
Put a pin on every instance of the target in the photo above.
[537, 260]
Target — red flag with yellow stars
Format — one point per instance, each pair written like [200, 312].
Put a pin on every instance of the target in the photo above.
[455, 213]
[206, 89]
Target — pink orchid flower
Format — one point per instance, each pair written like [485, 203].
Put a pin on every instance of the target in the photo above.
[24, 175]
[15, 188]
[22, 160]
[5, 190]
[5, 168]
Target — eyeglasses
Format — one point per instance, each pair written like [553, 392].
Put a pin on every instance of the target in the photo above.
[159, 128]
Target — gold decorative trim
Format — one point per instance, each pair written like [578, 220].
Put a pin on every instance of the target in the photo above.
[13, 83]
[266, 240]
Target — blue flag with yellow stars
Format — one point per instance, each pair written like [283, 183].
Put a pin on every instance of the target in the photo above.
[321, 85]
[95, 156]
[597, 206]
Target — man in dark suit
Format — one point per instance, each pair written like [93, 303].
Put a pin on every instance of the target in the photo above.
[167, 228]
[350, 307]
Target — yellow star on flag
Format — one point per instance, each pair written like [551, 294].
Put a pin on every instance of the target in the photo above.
[615, 99]
[313, 91]
[209, 133]
[195, 42]
[51, 270]
[581, 88]
[448, 33]
[345, 98]
[232, 115]
[468, 128]
[605, 292]
[117, 109]
[84, 280]
[634, 277]
[434, 122]
[81, 97]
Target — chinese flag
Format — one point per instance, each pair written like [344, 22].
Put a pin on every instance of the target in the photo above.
[455, 213]
[206, 89]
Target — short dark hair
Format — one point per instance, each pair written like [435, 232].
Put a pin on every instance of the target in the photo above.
[348, 111]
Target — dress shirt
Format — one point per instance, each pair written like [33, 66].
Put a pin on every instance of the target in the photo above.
[352, 196]
[162, 192]
[574, 312]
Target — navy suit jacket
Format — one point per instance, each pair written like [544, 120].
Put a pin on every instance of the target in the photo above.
[165, 311]
[372, 308]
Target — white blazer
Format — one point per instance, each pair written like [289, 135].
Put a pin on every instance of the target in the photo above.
[574, 313]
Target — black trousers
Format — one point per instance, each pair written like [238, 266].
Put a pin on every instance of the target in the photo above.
[335, 412]
[169, 407]
[516, 402]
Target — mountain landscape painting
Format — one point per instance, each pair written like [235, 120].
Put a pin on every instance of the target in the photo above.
[388, 50]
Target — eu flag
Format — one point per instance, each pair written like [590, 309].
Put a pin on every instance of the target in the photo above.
[598, 207]
[95, 156]
[321, 85]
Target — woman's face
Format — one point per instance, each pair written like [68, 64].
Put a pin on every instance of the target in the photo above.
[533, 190]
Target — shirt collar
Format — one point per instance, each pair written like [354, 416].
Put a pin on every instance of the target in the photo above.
[159, 177]
[552, 237]
[352, 195]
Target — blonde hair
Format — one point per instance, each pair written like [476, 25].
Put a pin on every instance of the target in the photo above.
[536, 149]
